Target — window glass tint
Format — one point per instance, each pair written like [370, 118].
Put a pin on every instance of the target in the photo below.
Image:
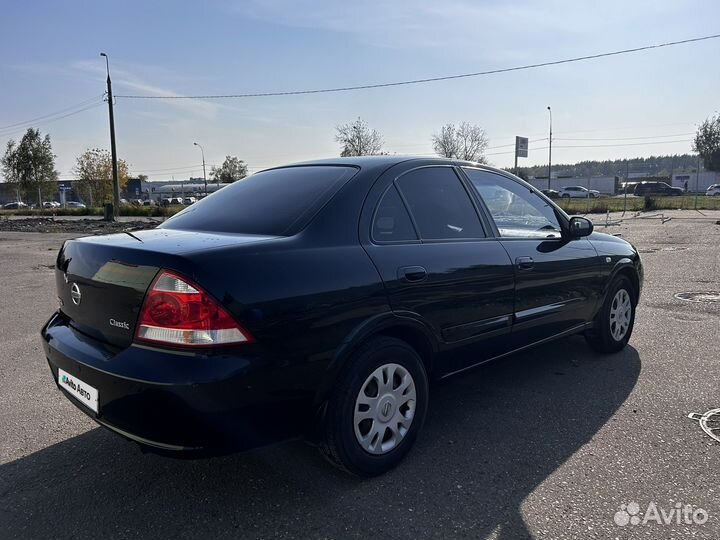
[517, 211]
[392, 222]
[276, 202]
[440, 205]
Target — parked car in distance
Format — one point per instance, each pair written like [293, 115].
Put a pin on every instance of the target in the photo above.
[149, 202]
[656, 188]
[573, 192]
[713, 190]
[320, 300]
[74, 204]
[189, 200]
[51, 204]
[553, 194]
[167, 201]
[15, 205]
[627, 187]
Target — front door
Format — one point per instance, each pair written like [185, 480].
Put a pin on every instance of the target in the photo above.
[557, 280]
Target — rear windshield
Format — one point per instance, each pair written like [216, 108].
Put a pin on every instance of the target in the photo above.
[279, 202]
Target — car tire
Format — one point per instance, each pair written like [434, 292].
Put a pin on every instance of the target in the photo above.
[613, 325]
[360, 409]
[565, 196]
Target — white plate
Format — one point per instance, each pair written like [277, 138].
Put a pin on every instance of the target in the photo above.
[82, 391]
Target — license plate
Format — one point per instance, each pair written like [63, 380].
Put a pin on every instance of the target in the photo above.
[82, 391]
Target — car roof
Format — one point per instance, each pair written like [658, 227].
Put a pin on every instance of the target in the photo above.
[386, 161]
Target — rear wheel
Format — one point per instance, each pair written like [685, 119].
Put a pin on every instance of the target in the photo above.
[565, 196]
[377, 408]
[614, 323]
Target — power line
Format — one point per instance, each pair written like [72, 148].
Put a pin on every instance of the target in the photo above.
[183, 168]
[259, 167]
[11, 131]
[93, 99]
[625, 138]
[430, 79]
[622, 144]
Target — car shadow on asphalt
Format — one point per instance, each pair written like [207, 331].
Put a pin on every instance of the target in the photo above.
[491, 437]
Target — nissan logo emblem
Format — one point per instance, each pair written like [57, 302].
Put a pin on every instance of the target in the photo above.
[75, 295]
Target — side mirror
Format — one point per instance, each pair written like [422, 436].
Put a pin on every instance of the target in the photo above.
[580, 226]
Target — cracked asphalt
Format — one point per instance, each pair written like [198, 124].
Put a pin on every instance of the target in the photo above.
[545, 444]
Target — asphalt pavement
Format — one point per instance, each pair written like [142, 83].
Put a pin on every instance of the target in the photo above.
[554, 443]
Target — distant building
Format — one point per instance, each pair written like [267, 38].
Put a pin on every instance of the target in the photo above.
[135, 189]
[604, 184]
[695, 182]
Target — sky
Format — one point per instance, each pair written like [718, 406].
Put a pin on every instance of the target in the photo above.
[641, 104]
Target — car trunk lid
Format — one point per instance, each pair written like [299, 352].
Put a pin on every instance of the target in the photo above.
[101, 281]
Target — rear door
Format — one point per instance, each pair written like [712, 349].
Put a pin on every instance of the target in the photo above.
[424, 234]
[558, 280]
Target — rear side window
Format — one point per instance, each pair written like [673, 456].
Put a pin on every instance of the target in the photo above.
[440, 205]
[392, 222]
[279, 202]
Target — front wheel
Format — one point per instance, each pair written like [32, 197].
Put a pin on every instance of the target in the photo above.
[377, 408]
[614, 323]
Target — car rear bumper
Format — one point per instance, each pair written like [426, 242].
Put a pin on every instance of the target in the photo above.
[178, 401]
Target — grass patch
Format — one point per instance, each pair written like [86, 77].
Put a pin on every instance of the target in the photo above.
[637, 204]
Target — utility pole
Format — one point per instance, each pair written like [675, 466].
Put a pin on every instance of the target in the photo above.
[550, 149]
[697, 181]
[203, 159]
[113, 150]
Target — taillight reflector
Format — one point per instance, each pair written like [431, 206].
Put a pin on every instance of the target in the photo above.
[178, 312]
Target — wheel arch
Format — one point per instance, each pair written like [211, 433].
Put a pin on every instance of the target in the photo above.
[625, 268]
[412, 330]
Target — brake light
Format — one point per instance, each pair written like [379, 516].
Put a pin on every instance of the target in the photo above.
[178, 312]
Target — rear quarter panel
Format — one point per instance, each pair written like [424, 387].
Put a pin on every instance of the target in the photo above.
[298, 304]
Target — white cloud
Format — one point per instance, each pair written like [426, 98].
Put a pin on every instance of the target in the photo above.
[126, 81]
[479, 29]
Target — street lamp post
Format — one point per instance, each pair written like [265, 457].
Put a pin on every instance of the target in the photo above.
[550, 149]
[113, 151]
[202, 152]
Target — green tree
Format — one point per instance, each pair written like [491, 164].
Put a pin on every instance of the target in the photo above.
[357, 139]
[93, 170]
[30, 166]
[232, 169]
[707, 143]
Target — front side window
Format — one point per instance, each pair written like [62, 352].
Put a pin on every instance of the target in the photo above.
[440, 205]
[517, 211]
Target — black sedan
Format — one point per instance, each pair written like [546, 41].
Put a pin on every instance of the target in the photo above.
[318, 300]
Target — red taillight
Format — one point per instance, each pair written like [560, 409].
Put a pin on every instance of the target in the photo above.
[178, 312]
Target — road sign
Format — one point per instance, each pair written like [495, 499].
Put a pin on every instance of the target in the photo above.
[521, 147]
